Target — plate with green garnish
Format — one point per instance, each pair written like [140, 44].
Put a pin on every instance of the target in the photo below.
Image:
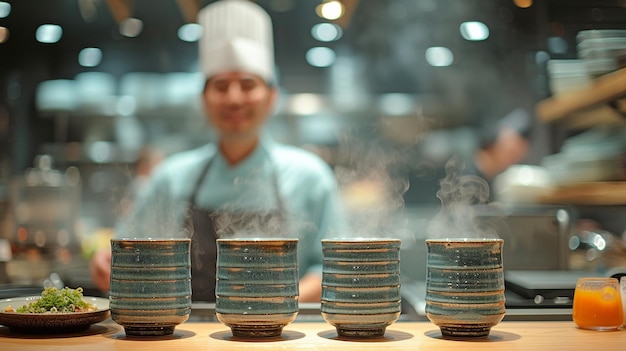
[54, 311]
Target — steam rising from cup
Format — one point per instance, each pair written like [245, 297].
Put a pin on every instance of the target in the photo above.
[458, 193]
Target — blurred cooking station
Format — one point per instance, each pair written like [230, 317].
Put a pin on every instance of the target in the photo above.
[387, 107]
[42, 235]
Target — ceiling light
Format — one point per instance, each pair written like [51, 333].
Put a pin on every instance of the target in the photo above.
[56, 95]
[326, 32]
[4, 34]
[49, 33]
[474, 31]
[396, 104]
[190, 32]
[523, 3]
[126, 105]
[330, 10]
[320, 57]
[90, 57]
[5, 9]
[100, 151]
[131, 27]
[305, 104]
[439, 56]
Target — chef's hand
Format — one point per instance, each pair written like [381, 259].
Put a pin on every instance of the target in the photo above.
[310, 288]
[100, 268]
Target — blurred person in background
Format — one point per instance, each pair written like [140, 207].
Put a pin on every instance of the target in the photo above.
[502, 145]
[244, 184]
[468, 180]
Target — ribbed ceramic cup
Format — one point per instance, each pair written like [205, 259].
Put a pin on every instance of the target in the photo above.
[465, 286]
[150, 290]
[361, 285]
[257, 285]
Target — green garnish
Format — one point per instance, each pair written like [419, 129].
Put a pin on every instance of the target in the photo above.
[54, 300]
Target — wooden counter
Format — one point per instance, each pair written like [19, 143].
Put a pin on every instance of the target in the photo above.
[533, 336]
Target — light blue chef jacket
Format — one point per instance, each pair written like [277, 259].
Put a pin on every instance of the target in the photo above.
[306, 184]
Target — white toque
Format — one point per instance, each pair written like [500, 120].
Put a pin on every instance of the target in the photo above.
[237, 37]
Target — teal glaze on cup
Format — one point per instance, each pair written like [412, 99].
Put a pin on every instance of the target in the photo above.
[257, 285]
[465, 285]
[150, 290]
[361, 285]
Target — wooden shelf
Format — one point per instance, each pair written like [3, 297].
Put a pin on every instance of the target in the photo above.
[593, 193]
[584, 109]
[608, 88]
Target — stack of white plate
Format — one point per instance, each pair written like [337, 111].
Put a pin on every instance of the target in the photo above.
[594, 155]
[601, 50]
[567, 75]
[521, 184]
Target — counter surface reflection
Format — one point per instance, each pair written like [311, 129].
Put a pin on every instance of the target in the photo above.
[550, 335]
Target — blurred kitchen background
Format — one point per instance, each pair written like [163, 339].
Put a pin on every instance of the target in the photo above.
[93, 92]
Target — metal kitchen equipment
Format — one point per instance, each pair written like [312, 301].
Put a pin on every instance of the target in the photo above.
[535, 237]
[44, 209]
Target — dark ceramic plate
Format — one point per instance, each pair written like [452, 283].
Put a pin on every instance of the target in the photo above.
[51, 322]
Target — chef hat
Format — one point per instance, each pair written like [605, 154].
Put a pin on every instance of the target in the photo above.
[237, 37]
[518, 120]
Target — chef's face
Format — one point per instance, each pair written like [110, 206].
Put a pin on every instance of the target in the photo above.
[510, 148]
[237, 104]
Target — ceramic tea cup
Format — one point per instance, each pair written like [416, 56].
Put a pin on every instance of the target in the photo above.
[465, 286]
[361, 285]
[257, 285]
[150, 291]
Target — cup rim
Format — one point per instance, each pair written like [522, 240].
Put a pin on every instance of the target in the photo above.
[598, 279]
[465, 240]
[150, 240]
[358, 239]
[257, 240]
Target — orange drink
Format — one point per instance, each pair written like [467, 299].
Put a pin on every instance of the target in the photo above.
[597, 304]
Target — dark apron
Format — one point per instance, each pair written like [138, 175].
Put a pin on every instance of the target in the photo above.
[205, 229]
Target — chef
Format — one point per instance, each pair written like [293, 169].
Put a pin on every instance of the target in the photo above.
[245, 184]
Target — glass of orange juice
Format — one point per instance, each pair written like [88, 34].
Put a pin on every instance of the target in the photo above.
[597, 304]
